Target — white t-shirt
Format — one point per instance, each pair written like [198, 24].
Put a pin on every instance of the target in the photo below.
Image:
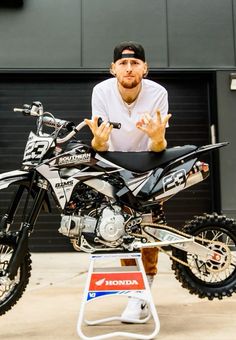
[108, 104]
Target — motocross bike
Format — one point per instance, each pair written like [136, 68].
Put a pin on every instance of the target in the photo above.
[112, 201]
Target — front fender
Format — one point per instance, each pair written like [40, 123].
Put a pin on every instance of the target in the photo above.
[22, 178]
[10, 177]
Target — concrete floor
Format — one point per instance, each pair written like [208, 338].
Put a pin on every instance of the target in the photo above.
[50, 306]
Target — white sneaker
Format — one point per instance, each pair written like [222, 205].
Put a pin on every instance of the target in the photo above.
[136, 311]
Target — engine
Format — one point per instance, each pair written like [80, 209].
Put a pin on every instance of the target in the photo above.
[106, 226]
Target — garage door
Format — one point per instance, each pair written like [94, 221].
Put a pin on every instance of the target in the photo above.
[68, 96]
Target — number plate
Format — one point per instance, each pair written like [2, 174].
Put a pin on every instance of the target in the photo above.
[36, 148]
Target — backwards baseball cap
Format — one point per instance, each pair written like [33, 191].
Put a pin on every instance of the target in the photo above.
[138, 51]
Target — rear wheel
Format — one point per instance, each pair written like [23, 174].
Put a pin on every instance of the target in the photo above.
[11, 289]
[209, 279]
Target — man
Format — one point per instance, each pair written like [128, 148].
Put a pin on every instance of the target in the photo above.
[141, 106]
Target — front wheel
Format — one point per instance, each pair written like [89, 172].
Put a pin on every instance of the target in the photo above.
[209, 280]
[11, 289]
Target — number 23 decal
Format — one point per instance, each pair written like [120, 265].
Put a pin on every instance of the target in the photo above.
[174, 180]
[35, 149]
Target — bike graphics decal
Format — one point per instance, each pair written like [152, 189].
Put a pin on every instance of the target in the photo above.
[64, 184]
[175, 181]
[138, 183]
[63, 189]
[36, 147]
[74, 159]
[35, 150]
[93, 295]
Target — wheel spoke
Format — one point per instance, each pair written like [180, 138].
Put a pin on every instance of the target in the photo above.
[11, 289]
[212, 276]
[209, 273]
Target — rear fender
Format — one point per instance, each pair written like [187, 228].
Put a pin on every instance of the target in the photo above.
[193, 154]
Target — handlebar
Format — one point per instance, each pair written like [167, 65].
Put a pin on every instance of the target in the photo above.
[36, 109]
[59, 123]
[72, 133]
[80, 126]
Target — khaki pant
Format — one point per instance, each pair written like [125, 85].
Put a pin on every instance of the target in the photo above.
[149, 258]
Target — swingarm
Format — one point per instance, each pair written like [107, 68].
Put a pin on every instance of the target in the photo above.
[208, 251]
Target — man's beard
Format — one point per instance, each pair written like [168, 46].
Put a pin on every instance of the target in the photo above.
[129, 85]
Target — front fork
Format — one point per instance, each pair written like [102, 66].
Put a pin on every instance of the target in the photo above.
[8, 218]
[23, 234]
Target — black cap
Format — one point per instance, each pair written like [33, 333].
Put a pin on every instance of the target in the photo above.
[129, 45]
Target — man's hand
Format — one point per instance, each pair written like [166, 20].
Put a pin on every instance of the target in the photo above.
[100, 133]
[155, 129]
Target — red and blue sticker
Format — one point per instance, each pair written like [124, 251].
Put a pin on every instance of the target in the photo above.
[114, 283]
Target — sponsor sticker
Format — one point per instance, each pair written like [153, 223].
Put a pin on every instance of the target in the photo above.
[93, 295]
[116, 281]
[64, 184]
[74, 159]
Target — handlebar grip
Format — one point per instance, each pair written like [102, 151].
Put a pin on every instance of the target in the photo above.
[52, 122]
[25, 111]
[28, 110]
[17, 110]
[114, 124]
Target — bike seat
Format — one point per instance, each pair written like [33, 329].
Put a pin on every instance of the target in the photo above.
[146, 160]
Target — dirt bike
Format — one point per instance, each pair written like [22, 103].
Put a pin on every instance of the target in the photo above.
[112, 201]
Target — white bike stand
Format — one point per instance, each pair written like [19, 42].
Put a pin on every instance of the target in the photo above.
[130, 281]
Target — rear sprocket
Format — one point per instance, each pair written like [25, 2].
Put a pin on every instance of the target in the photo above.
[213, 278]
